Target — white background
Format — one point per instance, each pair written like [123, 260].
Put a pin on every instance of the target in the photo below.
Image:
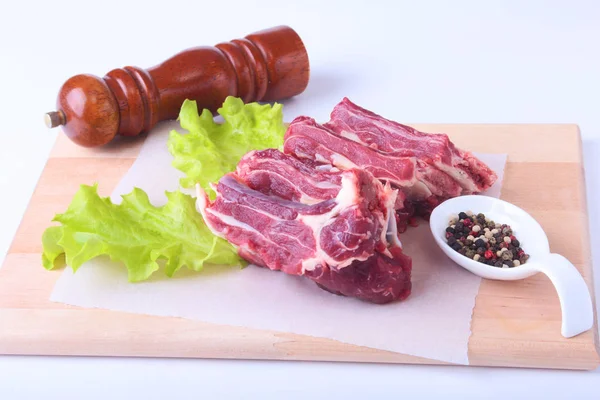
[413, 61]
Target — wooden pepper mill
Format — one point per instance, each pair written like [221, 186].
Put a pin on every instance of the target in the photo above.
[264, 66]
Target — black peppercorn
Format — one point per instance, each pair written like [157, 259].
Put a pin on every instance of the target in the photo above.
[508, 263]
[457, 246]
[462, 215]
[498, 264]
[480, 243]
[516, 243]
[480, 250]
[450, 229]
[459, 226]
[462, 251]
[451, 240]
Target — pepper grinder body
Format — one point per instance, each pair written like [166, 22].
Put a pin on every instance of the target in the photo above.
[265, 66]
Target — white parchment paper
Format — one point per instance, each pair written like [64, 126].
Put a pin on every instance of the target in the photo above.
[434, 322]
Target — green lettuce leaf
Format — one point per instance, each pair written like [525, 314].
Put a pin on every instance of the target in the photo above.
[210, 149]
[135, 233]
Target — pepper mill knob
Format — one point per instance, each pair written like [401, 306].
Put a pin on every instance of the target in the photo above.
[91, 116]
[264, 66]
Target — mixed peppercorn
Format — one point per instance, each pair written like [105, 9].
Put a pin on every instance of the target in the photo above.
[485, 241]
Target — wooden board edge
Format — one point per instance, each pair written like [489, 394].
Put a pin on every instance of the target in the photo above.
[27, 208]
[115, 341]
[120, 147]
[588, 249]
[124, 147]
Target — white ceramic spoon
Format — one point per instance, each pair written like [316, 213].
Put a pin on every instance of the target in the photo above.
[573, 293]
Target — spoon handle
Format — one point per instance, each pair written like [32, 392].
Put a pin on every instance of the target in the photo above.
[575, 301]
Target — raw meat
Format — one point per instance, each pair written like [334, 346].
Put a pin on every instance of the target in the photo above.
[302, 219]
[428, 168]
[380, 279]
[331, 206]
[275, 173]
[431, 150]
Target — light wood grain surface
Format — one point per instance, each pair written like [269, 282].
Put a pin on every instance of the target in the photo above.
[514, 323]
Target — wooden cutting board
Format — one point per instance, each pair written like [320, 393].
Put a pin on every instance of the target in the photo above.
[514, 323]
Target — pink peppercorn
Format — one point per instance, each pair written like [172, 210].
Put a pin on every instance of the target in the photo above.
[488, 254]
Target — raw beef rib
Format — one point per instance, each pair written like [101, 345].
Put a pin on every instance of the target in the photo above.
[302, 219]
[331, 206]
[275, 173]
[428, 168]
